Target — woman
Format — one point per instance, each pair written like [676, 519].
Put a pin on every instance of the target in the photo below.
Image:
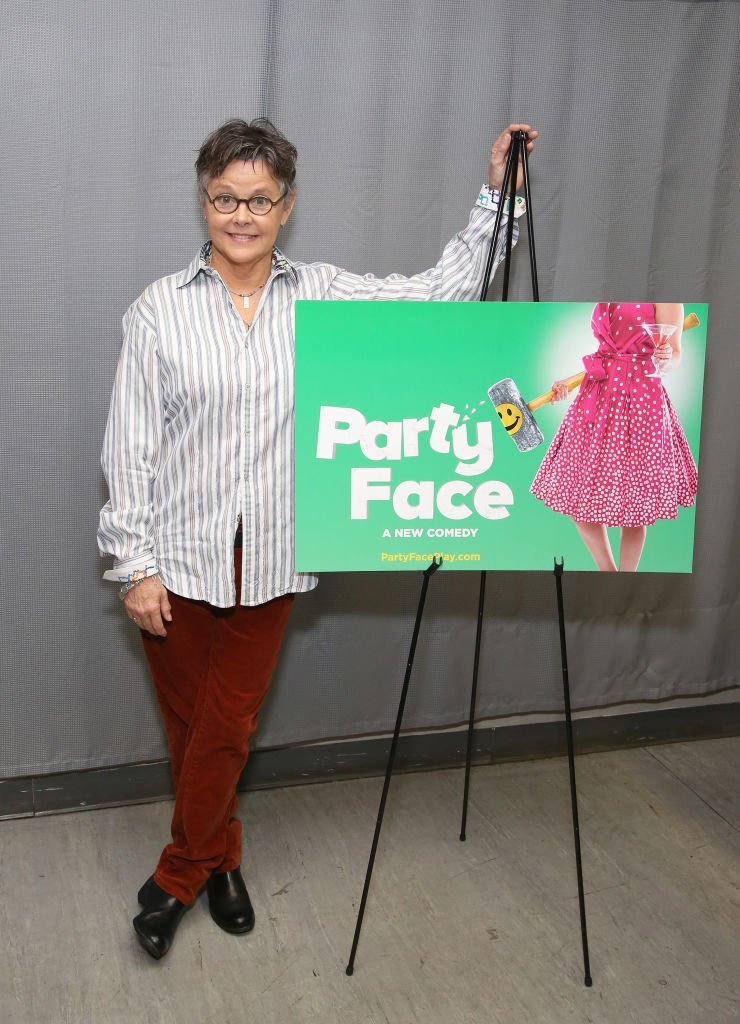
[198, 455]
[620, 456]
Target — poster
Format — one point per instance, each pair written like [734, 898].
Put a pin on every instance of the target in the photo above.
[422, 428]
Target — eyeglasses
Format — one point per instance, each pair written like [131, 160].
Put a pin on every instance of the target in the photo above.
[258, 205]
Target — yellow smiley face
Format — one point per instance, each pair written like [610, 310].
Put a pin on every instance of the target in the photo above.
[511, 417]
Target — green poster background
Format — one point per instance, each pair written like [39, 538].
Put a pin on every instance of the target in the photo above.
[397, 360]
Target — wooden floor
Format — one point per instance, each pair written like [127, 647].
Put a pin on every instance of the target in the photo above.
[484, 932]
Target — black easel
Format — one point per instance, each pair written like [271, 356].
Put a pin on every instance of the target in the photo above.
[517, 153]
[518, 148]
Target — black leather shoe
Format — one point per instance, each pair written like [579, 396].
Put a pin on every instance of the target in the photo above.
[156, 925]
[229, 903]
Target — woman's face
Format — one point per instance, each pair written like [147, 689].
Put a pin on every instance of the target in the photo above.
[242, 238]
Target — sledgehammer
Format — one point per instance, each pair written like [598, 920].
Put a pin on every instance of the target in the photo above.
[516, 414]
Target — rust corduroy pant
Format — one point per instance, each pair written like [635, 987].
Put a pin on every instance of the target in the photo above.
[211, 673]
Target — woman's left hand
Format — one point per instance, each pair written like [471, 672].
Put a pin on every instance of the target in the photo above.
[500, 151]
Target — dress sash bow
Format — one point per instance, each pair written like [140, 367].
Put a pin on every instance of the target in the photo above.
[598, 373]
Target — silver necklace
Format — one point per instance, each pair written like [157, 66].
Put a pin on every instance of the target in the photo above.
[246, 296]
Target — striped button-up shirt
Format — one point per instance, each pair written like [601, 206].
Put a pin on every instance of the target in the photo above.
[200, 430]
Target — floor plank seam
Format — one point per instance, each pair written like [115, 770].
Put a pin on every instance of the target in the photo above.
[691, 789]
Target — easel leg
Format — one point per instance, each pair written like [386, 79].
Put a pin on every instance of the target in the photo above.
[517, 152]
[558, 570]
[391, 759]
[497, 223]
[530, 226]
[516, 149]
[473, 694]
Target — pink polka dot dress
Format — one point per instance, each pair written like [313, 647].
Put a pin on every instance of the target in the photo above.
[620, 456]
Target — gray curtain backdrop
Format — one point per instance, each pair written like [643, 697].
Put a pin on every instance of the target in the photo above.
[393, 106]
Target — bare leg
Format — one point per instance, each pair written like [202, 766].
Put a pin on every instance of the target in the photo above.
[630, 547]
[596, 539]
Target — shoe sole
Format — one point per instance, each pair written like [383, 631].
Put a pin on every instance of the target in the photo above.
[230, 929]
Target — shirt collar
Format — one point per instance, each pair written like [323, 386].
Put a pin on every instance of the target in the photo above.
[280, 265]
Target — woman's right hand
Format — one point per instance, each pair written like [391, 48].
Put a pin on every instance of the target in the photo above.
[559, 390]
[662, 356]
[147, 604]
[500, 152]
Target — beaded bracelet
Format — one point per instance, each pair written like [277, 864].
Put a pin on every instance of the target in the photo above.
[125, 587]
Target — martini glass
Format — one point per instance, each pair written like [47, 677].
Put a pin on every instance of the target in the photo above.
[658, 334]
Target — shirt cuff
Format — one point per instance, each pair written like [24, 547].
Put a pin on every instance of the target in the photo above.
[130, 569]
[490, 198]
